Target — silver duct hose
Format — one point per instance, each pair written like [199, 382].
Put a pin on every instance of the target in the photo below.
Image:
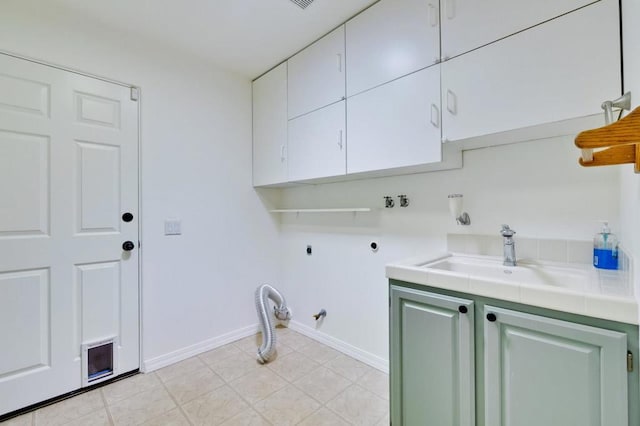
[263, 294]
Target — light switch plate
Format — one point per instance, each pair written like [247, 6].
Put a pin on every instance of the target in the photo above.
[172, 227]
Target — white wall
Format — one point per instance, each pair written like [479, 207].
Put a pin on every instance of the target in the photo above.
[196, 165]
[536, 187]
[629, 181]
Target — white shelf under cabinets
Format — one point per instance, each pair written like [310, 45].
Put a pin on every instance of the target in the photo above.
[338, 210]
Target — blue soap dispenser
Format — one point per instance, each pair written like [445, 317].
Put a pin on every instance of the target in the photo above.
[605, 249]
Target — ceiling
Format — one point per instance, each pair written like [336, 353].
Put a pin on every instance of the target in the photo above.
[244, 36]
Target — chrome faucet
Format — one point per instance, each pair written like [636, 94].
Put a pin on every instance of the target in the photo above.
[509, 246]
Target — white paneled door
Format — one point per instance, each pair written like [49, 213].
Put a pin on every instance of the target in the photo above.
[68, 176]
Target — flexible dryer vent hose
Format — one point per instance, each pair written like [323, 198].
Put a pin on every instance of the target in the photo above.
[263, 294]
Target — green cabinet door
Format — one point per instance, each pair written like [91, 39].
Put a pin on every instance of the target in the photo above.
[543, 371]
[432, 359]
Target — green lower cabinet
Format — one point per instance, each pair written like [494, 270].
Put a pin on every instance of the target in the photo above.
[464, 360]
[432, 370]
[542, 371]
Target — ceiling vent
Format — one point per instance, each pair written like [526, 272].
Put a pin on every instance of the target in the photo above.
[302, 3]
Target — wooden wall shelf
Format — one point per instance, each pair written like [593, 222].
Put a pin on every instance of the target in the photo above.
[619, 142]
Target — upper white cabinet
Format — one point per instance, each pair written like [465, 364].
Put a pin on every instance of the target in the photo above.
[316, 75]
[270, 127]
[391, 39]
[469, 24]
[317, 144]
[396, 124]
[560, 70]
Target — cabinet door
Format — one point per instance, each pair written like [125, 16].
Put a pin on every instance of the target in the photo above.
[542, 371]
[316, 74]
[270, 127]
[469, 24]
[317, 144]
[391, 39]
[432, 359]
[396, 124]
[560, 70]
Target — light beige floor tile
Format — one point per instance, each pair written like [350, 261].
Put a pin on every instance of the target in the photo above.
[283, 330]
[348, 367]
[142, 407]
[295, 340]
[318, 352]
[170, 418]
[249, 344]
[247, 418]
[322, 384]
[98, 418]
[258, 384]
[293, 366]
[236, 366]
[126, 388]
[359, 406]
[192, 385]
[281, 350]
[287, 407]
[218, 354]
[215, 407]
[23, 420]
[377, 382]
[323, 417]
[181, 368]
[70, 409]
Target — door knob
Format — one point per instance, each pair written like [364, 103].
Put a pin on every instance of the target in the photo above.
[128, 246]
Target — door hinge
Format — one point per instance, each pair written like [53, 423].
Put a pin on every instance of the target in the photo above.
[629, 361]
[135, 94]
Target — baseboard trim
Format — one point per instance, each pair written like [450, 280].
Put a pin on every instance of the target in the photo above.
[207, 345]
[342, 346]
[201, 347]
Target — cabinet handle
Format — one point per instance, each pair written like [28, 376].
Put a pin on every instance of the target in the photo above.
[452, 102]
[340, 139]
[339, 62]
[281, 153]
[450, 7]
[491, 317]
[435, 116]
[463, 309]
[433, 15]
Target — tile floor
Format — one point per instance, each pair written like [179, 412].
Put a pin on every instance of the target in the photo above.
[307, 384]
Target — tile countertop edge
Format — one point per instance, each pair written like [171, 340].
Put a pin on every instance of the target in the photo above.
[614, 308]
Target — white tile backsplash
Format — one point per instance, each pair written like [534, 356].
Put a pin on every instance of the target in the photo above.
[573, 251]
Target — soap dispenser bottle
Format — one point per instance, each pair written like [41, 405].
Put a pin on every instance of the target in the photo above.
[605, 249]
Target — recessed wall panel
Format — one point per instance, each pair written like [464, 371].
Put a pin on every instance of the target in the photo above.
[24, 96]
[98, 187]
[99, 295]
[24, 321]
[24, 184]
[97, 110]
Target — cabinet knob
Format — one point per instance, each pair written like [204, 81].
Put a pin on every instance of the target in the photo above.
[491, 317]
[463, 309]
[128, 246]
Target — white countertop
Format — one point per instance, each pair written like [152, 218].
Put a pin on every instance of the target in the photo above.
[588, 291]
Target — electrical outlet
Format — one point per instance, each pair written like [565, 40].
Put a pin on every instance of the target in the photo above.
[172, 227]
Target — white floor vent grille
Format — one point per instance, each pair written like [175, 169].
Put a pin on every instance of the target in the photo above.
[302, 3]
